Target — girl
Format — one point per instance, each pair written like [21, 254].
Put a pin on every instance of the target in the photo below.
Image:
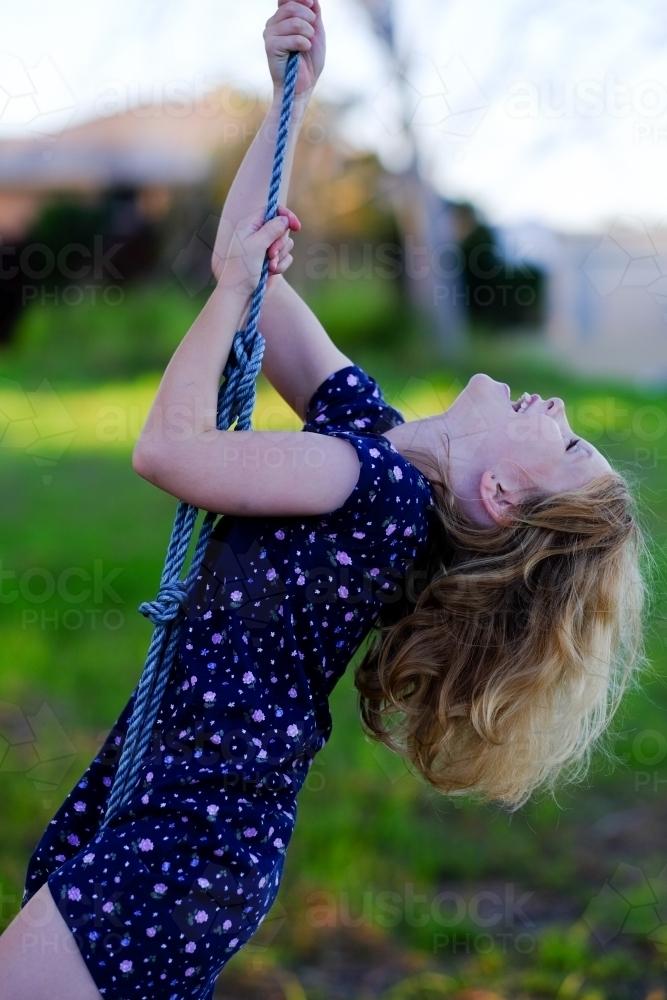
[497, 549]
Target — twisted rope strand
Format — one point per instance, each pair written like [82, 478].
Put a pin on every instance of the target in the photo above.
[236, 401]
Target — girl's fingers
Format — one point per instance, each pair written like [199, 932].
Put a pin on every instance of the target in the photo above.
[294, 223]
[283, 265]
[279, 249]
[293, 26]
[292, 13]
[295, 43]
[300, 8]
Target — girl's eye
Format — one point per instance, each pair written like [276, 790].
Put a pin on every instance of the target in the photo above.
[572, 444]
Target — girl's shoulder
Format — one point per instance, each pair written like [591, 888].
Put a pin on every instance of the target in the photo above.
[350, 400]
[391, 495]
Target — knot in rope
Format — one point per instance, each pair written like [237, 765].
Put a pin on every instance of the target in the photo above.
[168, 604]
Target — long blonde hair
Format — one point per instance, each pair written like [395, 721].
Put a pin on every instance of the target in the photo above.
[505, 670]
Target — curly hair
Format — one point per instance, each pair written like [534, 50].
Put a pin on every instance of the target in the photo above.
[505, 670]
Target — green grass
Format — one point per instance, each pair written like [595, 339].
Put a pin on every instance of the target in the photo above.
[365, 826]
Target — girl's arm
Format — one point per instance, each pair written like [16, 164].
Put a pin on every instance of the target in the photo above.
[250, 473]
[299, 354]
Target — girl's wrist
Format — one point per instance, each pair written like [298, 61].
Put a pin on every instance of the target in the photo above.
[235, 297]
[301, 100]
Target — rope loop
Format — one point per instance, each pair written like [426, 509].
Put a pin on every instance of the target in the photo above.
[168, 605]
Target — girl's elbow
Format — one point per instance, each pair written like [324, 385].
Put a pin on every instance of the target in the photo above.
[146, 461]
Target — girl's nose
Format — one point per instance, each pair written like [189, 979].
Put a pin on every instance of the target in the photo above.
[555, 406]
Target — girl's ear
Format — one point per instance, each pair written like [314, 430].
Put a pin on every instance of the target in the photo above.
[495, 497]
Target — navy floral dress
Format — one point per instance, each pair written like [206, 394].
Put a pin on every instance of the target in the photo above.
[161, 899]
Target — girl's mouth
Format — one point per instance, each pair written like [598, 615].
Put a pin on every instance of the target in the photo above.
[523, 402]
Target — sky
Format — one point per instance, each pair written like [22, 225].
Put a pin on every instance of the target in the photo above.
[539, 111]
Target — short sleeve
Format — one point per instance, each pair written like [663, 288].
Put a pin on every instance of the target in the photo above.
[390, 496]
[350, 400]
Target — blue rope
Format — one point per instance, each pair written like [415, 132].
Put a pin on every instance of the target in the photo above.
[236, 401]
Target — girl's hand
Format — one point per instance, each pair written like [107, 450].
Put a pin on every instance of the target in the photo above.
[296, 27]
[251, 242]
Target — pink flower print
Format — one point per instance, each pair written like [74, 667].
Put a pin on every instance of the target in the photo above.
[189, 971]
[126, 965]
[216, 638]
[398, 473]
[149, 776]
[374, 453]
[227, 924]
[201, 916]
[292, 731]
[73, 840]
[160, 888]
[189, 645]
[186, 685]
[145, 799]
[292, 692]
[236, 595]
[248, 677]
[320, 418]
[375, 571]
[145, 844]
[106, 781]
[358, 534]
[258, 715]
[250, 831]
[233, 943]
[213, 810]
[108, 907]
[87, 858]
[271, 574]
[204, 883]
[190, 947]
[209, 614]
[151, 931]
[278, 842]
[390, 529]
[262, 883]
[280, 534]
[215, 738]
[60, 857]
[209, 697]
[352, 380]
[360, 423]
[407, 532]
[300, 580]
[343, 592]
[349, 616]
[193, 680]
[80, 807]
[74, 893]
[343, 559]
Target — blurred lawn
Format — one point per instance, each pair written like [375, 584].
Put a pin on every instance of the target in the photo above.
[74, 512]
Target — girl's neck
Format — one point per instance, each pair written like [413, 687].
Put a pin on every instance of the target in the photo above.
[443, 448]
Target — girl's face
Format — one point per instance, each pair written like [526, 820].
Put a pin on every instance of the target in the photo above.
[531, 444]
